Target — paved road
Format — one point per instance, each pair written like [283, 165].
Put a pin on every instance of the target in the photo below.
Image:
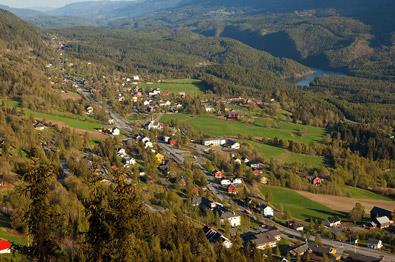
[120, 122]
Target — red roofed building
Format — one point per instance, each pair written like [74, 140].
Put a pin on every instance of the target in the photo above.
[173, 142]
[218, 174]
[232, 190]
[164, 95]
[316, 181]
[5, 247]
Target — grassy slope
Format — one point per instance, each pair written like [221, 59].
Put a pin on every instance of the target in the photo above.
[364, 194]
[68, 119]
[175, 86]
[213, 126]
[271, 152]
[298, 206]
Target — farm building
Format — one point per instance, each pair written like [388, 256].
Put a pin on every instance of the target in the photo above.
[213, 142]
[383, 222]
[380, 212]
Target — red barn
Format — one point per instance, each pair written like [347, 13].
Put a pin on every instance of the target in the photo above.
[232, 190]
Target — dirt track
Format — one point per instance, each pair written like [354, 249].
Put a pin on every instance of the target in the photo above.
[345, 204]
[94, 134]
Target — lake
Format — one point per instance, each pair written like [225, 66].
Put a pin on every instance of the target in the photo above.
[316, 73]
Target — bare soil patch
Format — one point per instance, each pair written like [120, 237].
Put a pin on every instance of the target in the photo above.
[345, 204]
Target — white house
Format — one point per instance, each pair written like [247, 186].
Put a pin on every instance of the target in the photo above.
[232, 144]
[332, 222]
[237, 181]
[267, 211]
[121, 152]
[148, 144]
[226, 182]
[233, 219]
[128, 161]
[154, 126]
[214, 142]
[115, 131]
[375, 244]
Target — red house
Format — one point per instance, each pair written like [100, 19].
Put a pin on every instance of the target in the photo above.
[173, 142]
[316, 181]
[232, 190]
[218, 174]
[257, 172]
[5, 247]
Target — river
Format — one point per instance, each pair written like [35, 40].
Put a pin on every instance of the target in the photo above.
[316, 73]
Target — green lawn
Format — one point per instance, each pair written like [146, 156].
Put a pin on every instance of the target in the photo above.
[298, 206]
[212, 126]
[175, 86]
[268, 152]
[364, 194]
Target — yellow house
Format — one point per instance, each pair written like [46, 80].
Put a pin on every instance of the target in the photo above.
[159, 158]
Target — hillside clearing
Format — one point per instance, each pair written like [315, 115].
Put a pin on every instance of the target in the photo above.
[176, 86]
[281, 155]
[212, 126]
[298, 206]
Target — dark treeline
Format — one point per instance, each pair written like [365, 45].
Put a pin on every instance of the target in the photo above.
[368, 143]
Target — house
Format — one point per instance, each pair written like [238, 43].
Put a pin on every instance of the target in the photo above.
[256, 165]
[218, 174]
[159, 158]
[233, 219]
[115, 131]
[322, 251]
[232, 144]
[316, 181]
[206, 203]
[214, 236]
[154, 126]
[292, 224]
[226, 182]
[356, 257]
[165, 139]
[5, 247]
[332, 222]
[262, 241]
[173, 142]
[237, 181]
[232, 190]
[39, 126]
[267, 211]
[375, 244]
[121, 152]
[299, 250]
[380, 212]
[213, 142]
[136, 79]
[383, 222]
[196, 201]
[128, 161]
[209, 109]
[233, 115]
[88, 110]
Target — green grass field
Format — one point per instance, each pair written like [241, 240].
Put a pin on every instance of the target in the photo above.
[175, 86]
[212, 126]
[364, 194]
[269, 152]
[73, 121]
[298, 206]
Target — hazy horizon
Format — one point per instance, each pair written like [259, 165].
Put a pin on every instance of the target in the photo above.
[40, 4]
